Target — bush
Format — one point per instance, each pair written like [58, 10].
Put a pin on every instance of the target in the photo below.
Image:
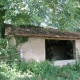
[38, 71]
[8, 53]
[33, 70]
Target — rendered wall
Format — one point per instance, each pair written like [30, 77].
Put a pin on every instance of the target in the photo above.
[74, 49]
[34, 48]
[77, 45]
[12, 41]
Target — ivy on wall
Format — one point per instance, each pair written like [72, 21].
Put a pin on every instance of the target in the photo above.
[21, 40]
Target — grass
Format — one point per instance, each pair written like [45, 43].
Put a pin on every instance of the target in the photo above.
[38, 71]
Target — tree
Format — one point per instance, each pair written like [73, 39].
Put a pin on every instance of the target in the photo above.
[61, 14]
[2, 13]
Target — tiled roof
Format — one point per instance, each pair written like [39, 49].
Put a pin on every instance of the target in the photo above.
[41, 32]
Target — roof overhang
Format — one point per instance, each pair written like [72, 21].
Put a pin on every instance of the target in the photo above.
[47, 33]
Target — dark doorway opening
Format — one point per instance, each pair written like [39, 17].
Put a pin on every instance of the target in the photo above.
[59, 49]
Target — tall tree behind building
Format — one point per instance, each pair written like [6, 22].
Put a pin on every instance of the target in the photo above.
[61, 14]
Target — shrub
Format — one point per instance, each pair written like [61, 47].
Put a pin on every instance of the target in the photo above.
[8, 53]
[33, 70]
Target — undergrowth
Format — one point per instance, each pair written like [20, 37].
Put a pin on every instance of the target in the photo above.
[20, 70]
[38, 71]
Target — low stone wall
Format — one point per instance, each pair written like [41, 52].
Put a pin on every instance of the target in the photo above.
[64, 62]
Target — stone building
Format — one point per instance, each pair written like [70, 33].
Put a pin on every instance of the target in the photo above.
[46, 44]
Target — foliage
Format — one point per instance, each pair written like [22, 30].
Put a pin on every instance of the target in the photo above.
[16, 69]
[7, 52]
[20, 40]
[9, 73]
[2, 12]
[62, 14]
[46, 71]
[38, 71]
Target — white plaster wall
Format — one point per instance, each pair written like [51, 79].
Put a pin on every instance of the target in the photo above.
[34, 49]
[77, 45]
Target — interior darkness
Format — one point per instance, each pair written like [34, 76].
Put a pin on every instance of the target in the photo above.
[58, 49]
